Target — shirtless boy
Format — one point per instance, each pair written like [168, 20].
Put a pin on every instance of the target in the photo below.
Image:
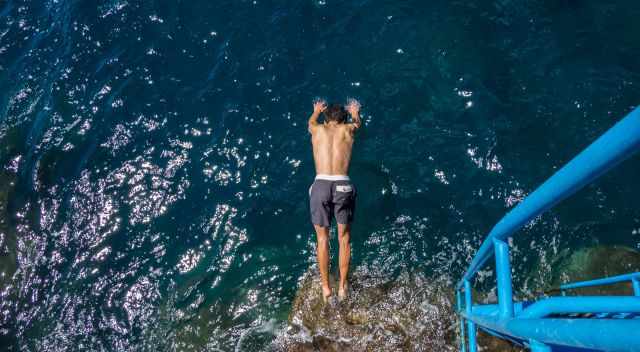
[332, 195]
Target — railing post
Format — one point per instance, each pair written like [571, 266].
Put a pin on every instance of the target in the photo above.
[503, 274]
[536, 346]
[463, 347]
[473, 346]
[636, 286]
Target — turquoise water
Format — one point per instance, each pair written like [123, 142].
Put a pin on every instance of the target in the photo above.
[154, 159]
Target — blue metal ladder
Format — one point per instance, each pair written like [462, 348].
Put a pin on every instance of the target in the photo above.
[582, 323]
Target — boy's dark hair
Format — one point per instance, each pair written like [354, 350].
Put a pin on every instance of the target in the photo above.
[335, 112]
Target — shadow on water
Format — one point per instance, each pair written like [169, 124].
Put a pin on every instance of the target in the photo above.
[8, 261]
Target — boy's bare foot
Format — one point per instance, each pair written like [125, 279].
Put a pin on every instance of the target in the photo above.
[326, 294]
[342, 293]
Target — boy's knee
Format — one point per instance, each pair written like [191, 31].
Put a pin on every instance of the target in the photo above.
[323, 237]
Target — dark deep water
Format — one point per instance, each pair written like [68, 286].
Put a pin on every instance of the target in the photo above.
[154, 159]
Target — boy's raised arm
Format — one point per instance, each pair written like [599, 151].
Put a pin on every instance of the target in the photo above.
[318, 107]
[353, 107]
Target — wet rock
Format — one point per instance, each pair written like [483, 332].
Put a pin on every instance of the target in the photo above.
[410, 313]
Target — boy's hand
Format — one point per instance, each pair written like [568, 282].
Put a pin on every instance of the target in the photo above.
[353, 107]
[319, 106]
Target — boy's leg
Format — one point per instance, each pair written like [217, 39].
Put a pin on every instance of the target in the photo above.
[344, 200]
[320, 208]
[344, 234]
[322, 234]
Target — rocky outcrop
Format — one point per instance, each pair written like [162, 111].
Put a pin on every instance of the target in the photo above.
[414, 312]
[410, 313]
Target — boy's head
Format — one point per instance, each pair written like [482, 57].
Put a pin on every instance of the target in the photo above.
[335, 112]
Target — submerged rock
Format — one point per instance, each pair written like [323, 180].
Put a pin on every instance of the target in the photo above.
[410, 313]
[594, 263]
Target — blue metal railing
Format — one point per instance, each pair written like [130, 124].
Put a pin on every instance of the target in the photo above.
[634, 278]
[555, 323]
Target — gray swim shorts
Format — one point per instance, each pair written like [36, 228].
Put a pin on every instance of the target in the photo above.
[332, 196]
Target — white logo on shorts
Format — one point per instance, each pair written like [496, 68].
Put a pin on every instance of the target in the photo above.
[344, 188]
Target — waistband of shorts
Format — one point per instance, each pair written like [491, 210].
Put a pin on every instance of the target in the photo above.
[332, 177]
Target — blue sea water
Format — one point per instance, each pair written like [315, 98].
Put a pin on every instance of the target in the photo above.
[154, 159]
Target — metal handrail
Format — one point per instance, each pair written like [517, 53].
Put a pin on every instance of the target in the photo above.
[617, 144]
[634, 278]
[535, 325]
